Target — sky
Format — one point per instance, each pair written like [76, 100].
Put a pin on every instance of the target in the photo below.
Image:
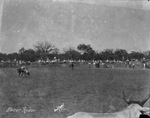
[104, 24]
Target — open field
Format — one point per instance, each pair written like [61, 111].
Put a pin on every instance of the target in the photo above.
[81, 89]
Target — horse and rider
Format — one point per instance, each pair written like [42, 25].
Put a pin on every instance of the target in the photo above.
[23, 71]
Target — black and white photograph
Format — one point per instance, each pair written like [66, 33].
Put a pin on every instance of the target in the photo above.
[74, 59]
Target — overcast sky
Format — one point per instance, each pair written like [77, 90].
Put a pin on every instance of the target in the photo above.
[103, 24]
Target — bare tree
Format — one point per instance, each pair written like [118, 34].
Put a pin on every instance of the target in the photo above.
[44, 48]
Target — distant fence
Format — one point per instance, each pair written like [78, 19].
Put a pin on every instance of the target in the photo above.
[82, 63]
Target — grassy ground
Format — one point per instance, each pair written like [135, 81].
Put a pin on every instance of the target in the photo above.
[81, 89]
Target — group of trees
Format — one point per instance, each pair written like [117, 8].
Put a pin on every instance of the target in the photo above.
[45, 50]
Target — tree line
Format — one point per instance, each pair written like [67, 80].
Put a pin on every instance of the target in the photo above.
[45, 50]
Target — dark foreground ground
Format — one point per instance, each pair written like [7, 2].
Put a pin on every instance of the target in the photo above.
[81, 89]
